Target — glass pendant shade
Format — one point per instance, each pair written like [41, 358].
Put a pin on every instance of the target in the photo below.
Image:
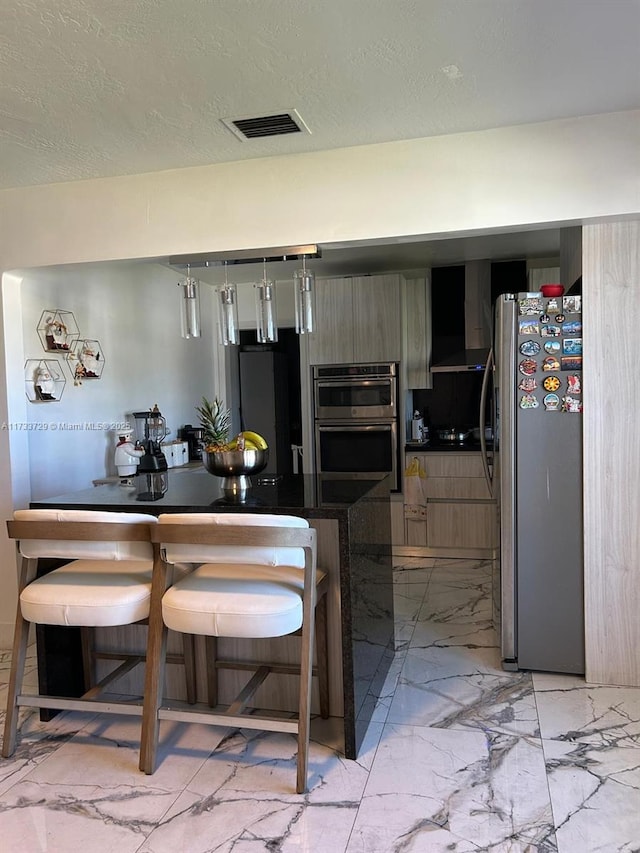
[190, 307]
[304, 300]
[228, 314]
[266, 317]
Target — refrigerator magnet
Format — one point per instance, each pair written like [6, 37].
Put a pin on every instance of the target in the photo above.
[532, 305]
[528, 401]
[551, 402]
[571, 362]
[545, 318]
[552, 347]
[560, 318]
[570, 404]
[572, 304]
[527, 366]
[573, 328]
[552, 304]
[528, 327]
[550, 331]
[528, 384]
[551, 383]
[574, 384]
[572, 346]
[530, 348]
[551, 363]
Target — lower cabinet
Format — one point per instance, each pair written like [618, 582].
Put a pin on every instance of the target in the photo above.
[459, 513]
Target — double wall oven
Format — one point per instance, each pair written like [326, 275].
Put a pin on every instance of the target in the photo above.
[356, 421]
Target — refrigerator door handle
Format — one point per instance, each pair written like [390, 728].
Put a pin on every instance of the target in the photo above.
[488, 371]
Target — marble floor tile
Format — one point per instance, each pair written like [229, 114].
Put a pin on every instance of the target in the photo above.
[460, 757]
[457, 598]
[595, 796]
[452, 678]
[434, 790]
[244, 798]
[571, 710]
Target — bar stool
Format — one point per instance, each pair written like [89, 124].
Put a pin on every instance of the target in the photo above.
[106, 582]
[256, 578]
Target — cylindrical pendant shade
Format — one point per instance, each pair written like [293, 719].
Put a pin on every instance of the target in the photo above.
[228, 314]
[304, 300]
[190, 308]
[266, 316]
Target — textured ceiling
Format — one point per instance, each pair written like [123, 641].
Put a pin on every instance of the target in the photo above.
[90, 88]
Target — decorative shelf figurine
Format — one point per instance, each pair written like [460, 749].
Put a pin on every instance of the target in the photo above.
[86, 360]
[43, 379]
[57, 330]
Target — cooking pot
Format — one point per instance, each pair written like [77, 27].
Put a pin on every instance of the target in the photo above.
[452, 434]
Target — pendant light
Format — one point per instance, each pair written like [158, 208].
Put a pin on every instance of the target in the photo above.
[190, 306]
[228, 311]
[266, 317]
[304, 281]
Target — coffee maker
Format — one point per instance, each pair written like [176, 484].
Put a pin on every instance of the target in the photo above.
[151, 429]
[194, 436]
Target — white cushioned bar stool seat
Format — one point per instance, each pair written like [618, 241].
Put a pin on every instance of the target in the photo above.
[256, 577]
[107, 582]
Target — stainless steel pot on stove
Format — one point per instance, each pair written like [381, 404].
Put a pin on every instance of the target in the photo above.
[452, 434]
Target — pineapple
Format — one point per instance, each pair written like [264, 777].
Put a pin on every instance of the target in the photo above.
[214, 419]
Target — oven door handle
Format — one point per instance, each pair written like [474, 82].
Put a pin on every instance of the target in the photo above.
[355, 427]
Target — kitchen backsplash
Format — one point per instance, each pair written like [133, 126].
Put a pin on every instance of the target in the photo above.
[453, 401]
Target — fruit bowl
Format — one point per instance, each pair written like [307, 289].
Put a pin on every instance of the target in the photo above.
[235, 466]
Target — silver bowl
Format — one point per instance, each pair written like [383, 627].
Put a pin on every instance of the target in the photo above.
[235, 466]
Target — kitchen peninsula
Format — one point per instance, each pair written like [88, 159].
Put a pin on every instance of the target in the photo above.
[352, 519]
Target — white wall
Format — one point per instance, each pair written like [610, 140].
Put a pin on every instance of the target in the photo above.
[132, 310]
[504, 179]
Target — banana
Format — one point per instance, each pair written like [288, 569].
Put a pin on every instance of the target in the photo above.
[255, 439]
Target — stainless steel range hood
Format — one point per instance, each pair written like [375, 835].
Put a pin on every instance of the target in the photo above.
[473, 360]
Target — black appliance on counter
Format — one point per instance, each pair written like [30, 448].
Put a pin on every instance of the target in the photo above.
[194, 436]
[151, 430]
[356, 421]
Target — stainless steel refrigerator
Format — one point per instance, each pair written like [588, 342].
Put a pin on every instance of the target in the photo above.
[538, 481]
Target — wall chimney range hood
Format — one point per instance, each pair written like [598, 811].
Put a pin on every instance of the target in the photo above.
[473, 360]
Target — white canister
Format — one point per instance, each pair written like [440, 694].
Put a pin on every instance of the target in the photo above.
[417, 427]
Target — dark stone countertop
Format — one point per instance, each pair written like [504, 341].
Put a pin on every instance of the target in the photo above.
[195, 490]
[435, 446]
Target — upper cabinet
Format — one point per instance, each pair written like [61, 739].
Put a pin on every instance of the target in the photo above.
[416, 332]
[357, 320]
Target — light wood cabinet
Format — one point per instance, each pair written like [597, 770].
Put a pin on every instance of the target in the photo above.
[377, 333]
[460, 512]
[416, 332]
[357, 320]
[332, 340]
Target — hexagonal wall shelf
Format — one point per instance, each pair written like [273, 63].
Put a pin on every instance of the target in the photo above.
[57, 330]
[43, 380]
[86, 360]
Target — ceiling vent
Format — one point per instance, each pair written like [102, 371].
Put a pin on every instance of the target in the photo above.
[260, 127]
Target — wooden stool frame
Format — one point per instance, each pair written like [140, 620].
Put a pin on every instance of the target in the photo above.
[85, 531]
[313, 594]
